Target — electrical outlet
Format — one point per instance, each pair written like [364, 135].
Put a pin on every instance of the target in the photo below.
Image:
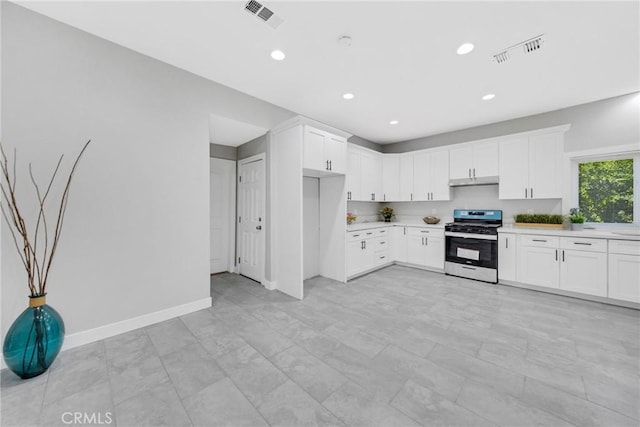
[434, 211]
[530, 211]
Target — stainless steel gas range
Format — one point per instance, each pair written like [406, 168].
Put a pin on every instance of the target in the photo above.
[471, 244]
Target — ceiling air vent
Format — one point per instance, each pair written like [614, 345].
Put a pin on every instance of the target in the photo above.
[265, 14]
[524, 47]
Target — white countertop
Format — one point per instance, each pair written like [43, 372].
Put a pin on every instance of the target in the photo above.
[632, 234]
[379, 224]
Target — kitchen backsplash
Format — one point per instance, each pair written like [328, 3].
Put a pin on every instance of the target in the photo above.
[473, 197]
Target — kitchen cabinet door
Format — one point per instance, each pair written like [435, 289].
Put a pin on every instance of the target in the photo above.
[354, 175]
[335, 151]
[390, 178]
[359, 257]
[416, 249]
[485, 160]
[406, 177]
[538, 266]
[421, 175]
[460, 162]
[434, 252]
[507, 257]
[314, 157]
[439, 177]
[399, 244]
[624, 277]
[371, 176]
[514, 169]
[545, 166]
[584, 272]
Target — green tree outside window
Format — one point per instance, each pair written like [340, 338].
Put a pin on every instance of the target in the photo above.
[606, 191]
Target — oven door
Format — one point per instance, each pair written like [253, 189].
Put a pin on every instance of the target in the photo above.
[472, 249]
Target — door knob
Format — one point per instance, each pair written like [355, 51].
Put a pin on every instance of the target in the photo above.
[258, 227]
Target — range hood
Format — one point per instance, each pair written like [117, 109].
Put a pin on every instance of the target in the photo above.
[465, 182]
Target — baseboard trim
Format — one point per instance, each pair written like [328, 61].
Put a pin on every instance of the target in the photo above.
[113, 329]
[269, 285]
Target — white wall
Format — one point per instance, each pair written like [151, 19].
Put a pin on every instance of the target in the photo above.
[136, 237]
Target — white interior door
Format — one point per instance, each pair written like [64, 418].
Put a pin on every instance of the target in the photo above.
[222, 201]
[251, 220]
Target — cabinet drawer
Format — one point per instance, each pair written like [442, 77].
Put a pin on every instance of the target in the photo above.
[430, 232]
[539, 241]
[379, 245]
[583, 244]
[624, 247]
[381, 231]
[360, 235]
[381, 258]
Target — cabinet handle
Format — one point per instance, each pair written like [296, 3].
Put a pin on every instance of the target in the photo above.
[405, 230]
[330, 165]
[382, 257]
[373, 196]
[424, 231]
[538, 240]
[563, 255]
[356, 235]
[556, 254]
[423, 241]
[531, 192]
[369, 234]
[326, 165]
[384, 197]
[525, 192]
[362, 244]
[426, 241]
[474, 172]
[506, 245]
[411, 196]
[382, 243]
[582, 243]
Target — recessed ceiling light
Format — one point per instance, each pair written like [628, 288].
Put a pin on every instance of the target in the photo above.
[394, 122]
[348, 96]
[464, 48]
[278, 55]
[488, 96]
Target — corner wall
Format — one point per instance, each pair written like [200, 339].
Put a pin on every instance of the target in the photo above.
[136, 237]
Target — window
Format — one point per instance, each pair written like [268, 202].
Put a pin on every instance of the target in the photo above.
[605, 191]
[605, 185]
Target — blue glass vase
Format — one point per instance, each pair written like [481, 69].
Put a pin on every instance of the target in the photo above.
[34, 339]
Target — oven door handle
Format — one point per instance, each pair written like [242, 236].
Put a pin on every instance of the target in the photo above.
[471, 236]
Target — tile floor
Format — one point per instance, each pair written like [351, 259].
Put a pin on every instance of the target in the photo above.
[399, 347]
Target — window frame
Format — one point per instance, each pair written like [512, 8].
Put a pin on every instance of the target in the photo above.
[573, 159]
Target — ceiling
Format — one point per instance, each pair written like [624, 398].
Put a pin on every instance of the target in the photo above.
[402, 62]
[226, 131]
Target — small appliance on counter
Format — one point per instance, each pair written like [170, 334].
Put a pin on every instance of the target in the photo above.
[471, 244]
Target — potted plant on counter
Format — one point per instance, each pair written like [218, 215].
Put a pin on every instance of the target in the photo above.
[577, 219]
[539, 220]
[351, 218]
[387, 214]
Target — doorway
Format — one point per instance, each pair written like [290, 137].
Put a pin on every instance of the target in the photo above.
[222, 208]
[251, 217]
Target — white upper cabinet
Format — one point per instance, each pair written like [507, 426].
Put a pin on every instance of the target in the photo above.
[430, 172]
[354, 174]
[531, 167]
[371, 176]
[324, 152]
[406, 177]
[390, 178]
[364, 174]
[476, 160]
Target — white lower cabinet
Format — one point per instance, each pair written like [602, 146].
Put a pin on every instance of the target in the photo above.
[399, 244]
[568, 263]
[367, 249]
[425, 247]
[624, 270]
[583, 265]
[538, 261]
[507, 256]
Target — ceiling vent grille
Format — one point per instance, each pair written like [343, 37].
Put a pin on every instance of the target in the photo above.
[264, 13]
[525, 47]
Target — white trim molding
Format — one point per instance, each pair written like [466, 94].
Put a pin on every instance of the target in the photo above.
[113, 329]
